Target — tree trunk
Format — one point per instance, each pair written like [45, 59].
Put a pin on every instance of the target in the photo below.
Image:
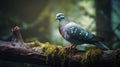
[103, 19]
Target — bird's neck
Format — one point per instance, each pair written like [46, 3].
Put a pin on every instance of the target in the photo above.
[63, 22]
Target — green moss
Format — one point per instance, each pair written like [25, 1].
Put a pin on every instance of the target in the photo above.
[51, 50]
[61, 54]
[35, 44]
[91, 55]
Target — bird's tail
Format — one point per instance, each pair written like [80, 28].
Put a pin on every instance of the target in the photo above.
[101, 45]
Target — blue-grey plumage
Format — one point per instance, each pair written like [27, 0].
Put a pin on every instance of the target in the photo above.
[101, 45]
[75, 33]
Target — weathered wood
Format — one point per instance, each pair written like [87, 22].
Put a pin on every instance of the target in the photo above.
[9, 52]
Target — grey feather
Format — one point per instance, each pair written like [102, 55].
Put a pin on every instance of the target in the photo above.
[101, 45]
[75, 31]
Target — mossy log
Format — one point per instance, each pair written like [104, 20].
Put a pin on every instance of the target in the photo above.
[17, 50]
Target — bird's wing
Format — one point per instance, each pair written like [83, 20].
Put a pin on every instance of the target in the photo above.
[76, 32]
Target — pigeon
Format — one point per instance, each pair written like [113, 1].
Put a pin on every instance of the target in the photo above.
[76, 34]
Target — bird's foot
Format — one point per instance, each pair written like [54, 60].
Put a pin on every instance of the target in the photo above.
[70, 47]
[70, 50]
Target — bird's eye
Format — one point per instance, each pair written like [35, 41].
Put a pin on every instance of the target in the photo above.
[62, 16]
[58, 16]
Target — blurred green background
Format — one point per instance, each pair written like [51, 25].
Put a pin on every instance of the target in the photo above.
[36, 18]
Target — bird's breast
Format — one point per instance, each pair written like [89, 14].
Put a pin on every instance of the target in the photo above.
[62, 31]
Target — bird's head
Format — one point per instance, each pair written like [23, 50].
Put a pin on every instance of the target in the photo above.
[60, 16]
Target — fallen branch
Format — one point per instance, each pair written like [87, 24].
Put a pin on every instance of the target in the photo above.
[17, 50]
